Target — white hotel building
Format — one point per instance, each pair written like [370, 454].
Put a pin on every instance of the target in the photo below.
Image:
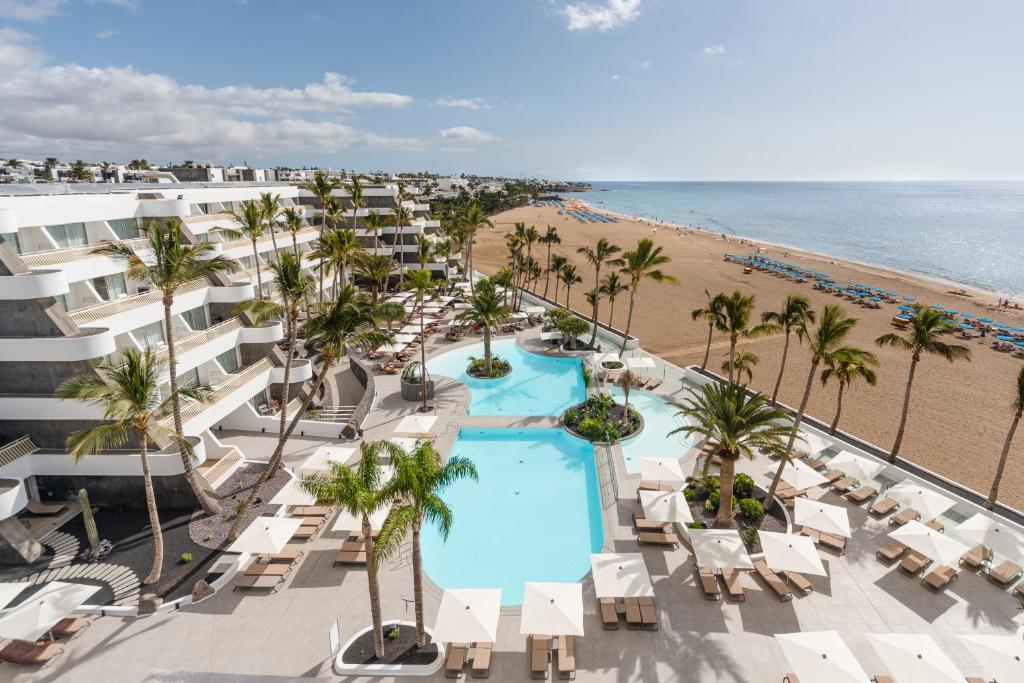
[62, 308]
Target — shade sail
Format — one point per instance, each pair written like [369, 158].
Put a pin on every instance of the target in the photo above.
[791, 552]
[416, 425]
[621, 575]
[468, 615]
[1001, 656]
[267, 535]
[554, 609]
[914, 658]
[856, 466]
[930, 543]
[292, 493]
[821, 657]
[665, 506]
[831, 519]
[32, 619]
[800, 476]
[719, 549]
[929, 503]
[993, 534]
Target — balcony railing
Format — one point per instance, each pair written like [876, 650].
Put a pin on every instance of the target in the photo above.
[56, 257]
[284, 238]
[106, 309]
[16, 449]
[194, 341]
[235, 381]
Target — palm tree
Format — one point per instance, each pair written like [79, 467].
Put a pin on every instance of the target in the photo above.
[419, 480]
[558, 262]
[473, 220]
[374, 223]
[335, 214]
[736, 310]
[339, 249]
[599, 255]
[129, 394]
[549, 239]
[250, 225]
[822, 341]
[711, 312]
[14, 163]
[376, 269]
[293, 221]
[424, 251]
[740, 363]
[530, 237]
[294, 286]
[847, 365]
[79, 171]
[627, 378]
[356, 192]
[570, 278]
[487, 310]
[171, 263]
[795, 311]
[735, 424]
[927, 325]
[642, 264]
[503, 278]
[390, 313]
[422, 282]
[402, 217]
[611, 287]
[361, 491]
[322, 188]
[271, 206]
[1017, 409]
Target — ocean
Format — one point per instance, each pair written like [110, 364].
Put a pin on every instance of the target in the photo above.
[970, 233]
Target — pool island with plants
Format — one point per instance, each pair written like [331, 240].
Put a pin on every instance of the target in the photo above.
[602, 419]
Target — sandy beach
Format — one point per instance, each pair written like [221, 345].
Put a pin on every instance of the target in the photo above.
[959, 414]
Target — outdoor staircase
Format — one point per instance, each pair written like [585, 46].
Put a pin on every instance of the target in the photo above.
[16, 449]
[65, 549]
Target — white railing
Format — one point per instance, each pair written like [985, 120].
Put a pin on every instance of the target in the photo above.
[55, 257]
[16, 449]
[108, 308]
[194, 341]
[337, 414]
[233, 382]
[284, 238]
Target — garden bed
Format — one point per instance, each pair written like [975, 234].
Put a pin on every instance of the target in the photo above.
[499, 368]
[399, 650]
[212, 531]
[600, 419]
[745, 520]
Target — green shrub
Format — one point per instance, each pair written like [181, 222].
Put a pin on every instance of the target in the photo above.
[186, 558]
[714, 498]
[709, 507]
[571, 418]
[394, 633]
[750, 537]
[499, 366]
[743, 485]
[587, 376]
[751, 509]
[598, 430]
[712, 483]
[689, 493]
[696, 525]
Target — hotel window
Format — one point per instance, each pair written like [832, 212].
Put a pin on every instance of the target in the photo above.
[150, 336]
[196, 318]
[111, 287]
[68, 234]
[125, 228]
[13, 240]
[246, 262]
[229, 361]
[189, 379]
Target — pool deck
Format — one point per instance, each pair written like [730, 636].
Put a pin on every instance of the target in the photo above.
[286, 633]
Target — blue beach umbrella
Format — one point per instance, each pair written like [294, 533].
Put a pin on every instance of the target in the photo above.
[938, 307]
[966, 315]
[1004, 337]
[875, 298]
[904, 307]
[908, 298]
[984, 320]
[950, 311]
[966, 326]
[903, 317]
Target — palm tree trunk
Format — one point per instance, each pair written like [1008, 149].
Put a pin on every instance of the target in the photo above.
[611, 313]
[376, 620]
[401, 258]
[154, 515]
[839, 409]
[770, 499]
[259, 279]
[423, 363]
[323, 226]
[906, 410]
[209, 506]
[994, 492]
[727, 475]
[732, 356]
[597, 301]
[295, 244]
[629, 321]
[487, 350]
[417, 583]
[568, 293]
[273, 240]
[469, 264]
[547, 277]
[782, 371]
[707, 348]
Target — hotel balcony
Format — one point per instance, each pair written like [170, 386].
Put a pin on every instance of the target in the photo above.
[205, 345]
[243, 247]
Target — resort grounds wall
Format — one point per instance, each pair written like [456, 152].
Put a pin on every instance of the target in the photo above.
[117, 491]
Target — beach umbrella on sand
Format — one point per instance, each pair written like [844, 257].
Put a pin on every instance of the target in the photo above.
[1004, 337]
[820, 657]
[929, 503]
[930, 543]
[791, 552]
[914, 658]
[966, 326]
[1001, 656]
[552, 608]
[831, 519]
[938, 307]
[33, 619]
[966, 315]
[468, 615]
[984, 320]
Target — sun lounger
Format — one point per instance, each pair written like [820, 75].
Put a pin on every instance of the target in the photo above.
[935, 525]
[891, 551]
[814, 463]
[655, 486]
[456, 660]
[976, 679]
[913, 563]
[69, 627]
[648, 613]
[642, 524]
[305, 532]
[40, 509]
[773, 580]
[861, 494]
[540, 655]
[566, 658]
[264, 582]
[882, 507]
[903, 516]
[882, 678]
[976, 557]
[790, 678]
[798, 581]
[286, 556]
[312, 511]
[658, 538]
[1005, 574]
[709, 584]
[731, 578]
[633, 618]
[352, 552]
[267, 569]
[609, 615]
[939, 578]
[843, 485]
[482, 660]
[837, 543]
[834, 475]
[20, 652]
[654, 383]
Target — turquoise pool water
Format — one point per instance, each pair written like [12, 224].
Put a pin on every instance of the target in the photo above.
[537, 385]
[659, 419]
[535, 514]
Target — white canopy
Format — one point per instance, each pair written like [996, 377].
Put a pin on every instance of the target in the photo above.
[791, 552]
[461, 306]
[534, 310]
[1001, 656]
[416, 425]
[397, 347]
[811, 442]
[519, 316]
[856, 466]
[665, 506]
[621, 575]
[800, 476]
[410, 329]
[9, 591]
[292, 493]
[640, 362]
[406, 443]
[552, 609]
[405, 338]
[929, 503]
[719, 549]
[914, 658]
[831, 519]
[468, 615]
[318, 462]
[821, 657]
[346, 521]
[32, 619]
[930, 543]
[993, 534]
[549, 336]
[266, 535]
[666, 469]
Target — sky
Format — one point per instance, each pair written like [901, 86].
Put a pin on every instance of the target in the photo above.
[585, 89]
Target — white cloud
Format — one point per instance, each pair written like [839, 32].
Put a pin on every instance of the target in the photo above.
[461, 135]
[716, 49]
[612, 14]
[106, 34]
[462, 103]
[29, 10]
[615, 77]
[644, 65]
[120, 112]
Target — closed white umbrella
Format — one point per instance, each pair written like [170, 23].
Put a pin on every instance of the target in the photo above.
[856, 466]
[416, 425]
[9, 591]
[666, 506]
[821, 657]
[33, 619]
[913, 658]
[323, 456]
[930, 543]
[346, 521]
[468, 615]
[662, 469]
[993, 534]
[719, 549]
[791, 552]
[811, 442]
[266, 535]
[800, 476]
[554, 609]
[621, 575]
[292, 493]
[1001, 656]
[640, 362]
[929, 503]
[831, 519]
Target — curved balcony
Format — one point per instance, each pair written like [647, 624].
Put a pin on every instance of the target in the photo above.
[58, 257]
[94, 342]
[301, 370]
[35, 285]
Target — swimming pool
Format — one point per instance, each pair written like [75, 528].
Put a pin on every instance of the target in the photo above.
[535, 514]
[659, 419]
[537, 385]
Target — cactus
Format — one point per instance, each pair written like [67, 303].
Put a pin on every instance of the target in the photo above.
[90, 521]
